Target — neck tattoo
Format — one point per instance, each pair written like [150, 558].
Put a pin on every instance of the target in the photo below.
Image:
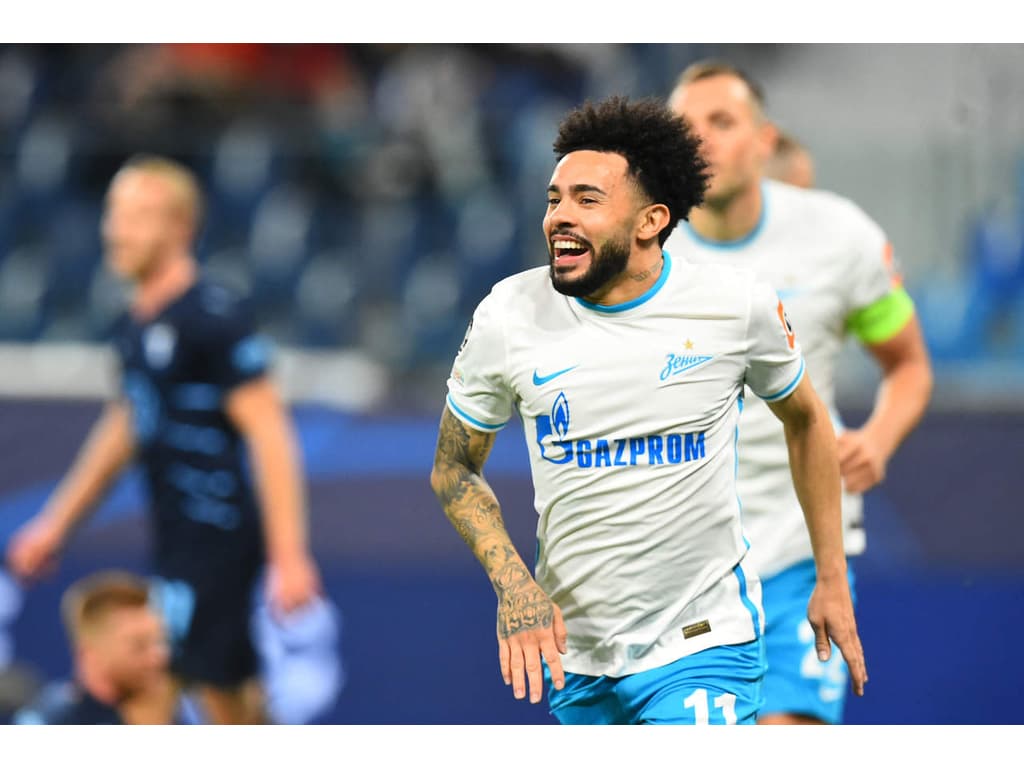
[645, 274]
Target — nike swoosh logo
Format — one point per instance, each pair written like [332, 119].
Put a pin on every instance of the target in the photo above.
[541, 380]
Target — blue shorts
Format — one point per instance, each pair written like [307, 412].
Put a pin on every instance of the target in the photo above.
[717, 686]
[796, 682]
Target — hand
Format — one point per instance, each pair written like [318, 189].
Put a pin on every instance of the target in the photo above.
[32, 551]
[830, 612]
[291, 583]
[861, 461]
[530, 626]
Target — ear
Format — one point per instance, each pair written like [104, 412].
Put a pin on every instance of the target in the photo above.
[652, 219]
[767, 138]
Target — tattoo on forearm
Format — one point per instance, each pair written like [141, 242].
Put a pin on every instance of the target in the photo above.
[467, 500]
[470, 505]
[522, 604]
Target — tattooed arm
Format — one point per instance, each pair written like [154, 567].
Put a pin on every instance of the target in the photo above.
[529, 624]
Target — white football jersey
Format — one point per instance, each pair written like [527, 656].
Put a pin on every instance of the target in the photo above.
[827, 259]
[630, 417]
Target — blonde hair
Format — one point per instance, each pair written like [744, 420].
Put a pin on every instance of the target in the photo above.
[88, 602]
[187, 195]
[708, 68]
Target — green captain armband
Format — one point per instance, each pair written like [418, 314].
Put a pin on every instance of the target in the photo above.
[880, 321]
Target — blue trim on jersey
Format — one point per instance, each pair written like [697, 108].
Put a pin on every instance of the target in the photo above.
[641, 299]
[742, 579]
[729, 245]
[788, 388]
[471, 420]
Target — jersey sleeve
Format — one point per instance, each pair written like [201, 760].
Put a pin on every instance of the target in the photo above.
[478, 390]
[235, 352]
[878, 306]
[775, 363]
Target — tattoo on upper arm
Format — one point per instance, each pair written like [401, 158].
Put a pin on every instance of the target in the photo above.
[470, 505]
[460, 456]
[456, 444]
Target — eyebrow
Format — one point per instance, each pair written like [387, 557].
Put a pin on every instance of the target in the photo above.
[577, 188]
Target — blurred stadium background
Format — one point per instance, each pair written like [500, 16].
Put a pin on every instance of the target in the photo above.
[367, 196]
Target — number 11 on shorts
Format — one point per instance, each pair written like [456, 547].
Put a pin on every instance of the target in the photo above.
[698, 702]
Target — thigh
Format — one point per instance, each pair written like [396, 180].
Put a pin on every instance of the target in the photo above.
[584, 700]
[717, 686]
[797, 683]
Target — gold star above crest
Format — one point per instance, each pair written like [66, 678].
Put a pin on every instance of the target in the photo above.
[689, 344]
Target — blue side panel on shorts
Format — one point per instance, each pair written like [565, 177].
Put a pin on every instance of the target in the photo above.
[796, 682]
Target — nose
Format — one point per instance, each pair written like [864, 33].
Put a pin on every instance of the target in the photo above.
[561, 215]
[706, 136]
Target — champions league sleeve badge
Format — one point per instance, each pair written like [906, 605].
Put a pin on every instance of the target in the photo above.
[465, 339]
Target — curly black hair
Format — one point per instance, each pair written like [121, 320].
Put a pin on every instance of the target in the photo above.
[662, 152]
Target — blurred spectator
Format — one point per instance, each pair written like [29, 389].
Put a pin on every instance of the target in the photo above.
[18, 682]
[120, 655]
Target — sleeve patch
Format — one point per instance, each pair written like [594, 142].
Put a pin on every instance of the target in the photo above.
[786, 325]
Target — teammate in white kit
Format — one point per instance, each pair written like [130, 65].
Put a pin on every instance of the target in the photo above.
[832, 265]
[627, 368]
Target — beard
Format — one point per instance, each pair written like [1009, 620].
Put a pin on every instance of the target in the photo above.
[605, 264]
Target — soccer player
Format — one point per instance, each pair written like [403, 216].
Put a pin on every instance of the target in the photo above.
[832, 265]
[120, 655]
[790, 162]
[627, 367]
[195, 394]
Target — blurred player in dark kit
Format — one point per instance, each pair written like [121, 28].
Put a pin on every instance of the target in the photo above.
[195, 393]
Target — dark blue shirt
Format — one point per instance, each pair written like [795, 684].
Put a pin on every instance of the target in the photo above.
[177, 371]
[67, 703]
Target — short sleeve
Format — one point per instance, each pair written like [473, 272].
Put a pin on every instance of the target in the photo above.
[775, 364]
[877, 305]
[478, 391]
[235, 352]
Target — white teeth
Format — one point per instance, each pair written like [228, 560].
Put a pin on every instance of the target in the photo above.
[569, 245]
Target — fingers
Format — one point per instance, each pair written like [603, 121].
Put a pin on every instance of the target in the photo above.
[561, 634]
[853, 653]
[518, 668]
[846, 445]
[292, 588]
[534, 672]
[843, 633]
[551, 656]
[504, 661]
[859, 464]
[862, 477]
[26, 561]
[822, 644]
[520, 662]
[850, 459]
